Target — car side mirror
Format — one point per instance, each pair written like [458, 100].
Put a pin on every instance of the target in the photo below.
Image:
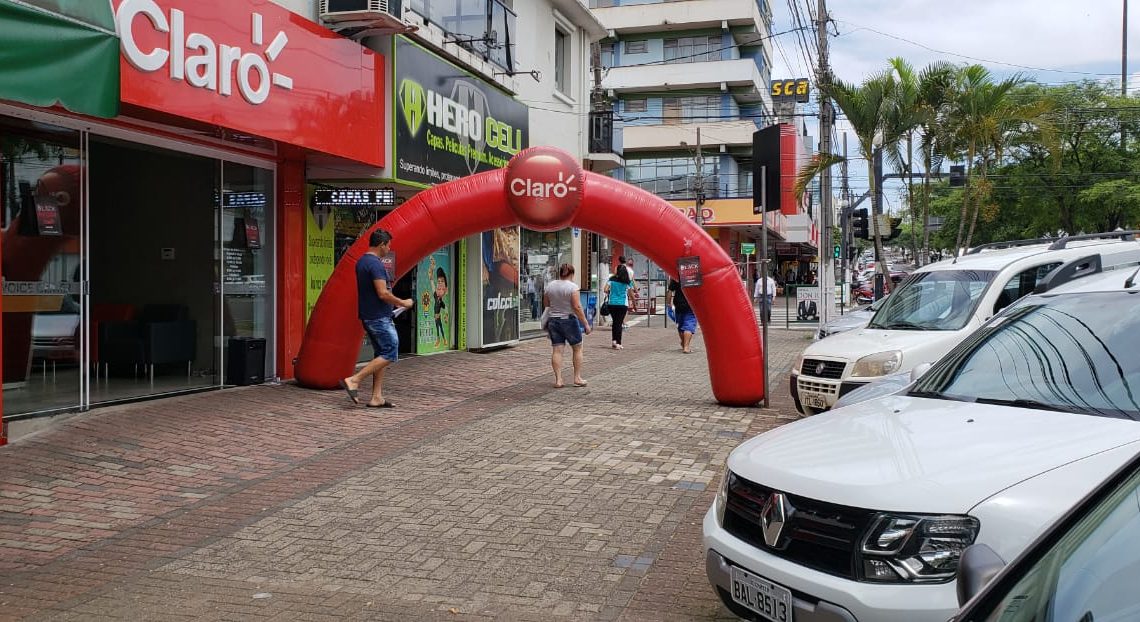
[979, 564]
[918, 371]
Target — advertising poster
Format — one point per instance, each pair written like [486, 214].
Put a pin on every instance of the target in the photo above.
[320, 243]
[500, 277]
[449, 123]
[435, 303]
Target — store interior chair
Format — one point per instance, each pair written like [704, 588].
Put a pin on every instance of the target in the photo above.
[162, 335]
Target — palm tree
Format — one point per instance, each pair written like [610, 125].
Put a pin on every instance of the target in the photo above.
[904, 118]
[867, 107]
[935, 90]
[983, 114]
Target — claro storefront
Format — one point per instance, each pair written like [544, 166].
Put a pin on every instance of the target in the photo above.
[446, 123]
[144, 237]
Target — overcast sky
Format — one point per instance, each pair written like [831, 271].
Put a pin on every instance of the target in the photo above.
[1052, 41]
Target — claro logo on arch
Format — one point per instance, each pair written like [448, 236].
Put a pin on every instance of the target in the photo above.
[197, 59]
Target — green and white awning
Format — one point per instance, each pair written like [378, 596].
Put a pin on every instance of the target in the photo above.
[61, 52]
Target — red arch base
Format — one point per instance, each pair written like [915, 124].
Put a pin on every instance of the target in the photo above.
[453, 210]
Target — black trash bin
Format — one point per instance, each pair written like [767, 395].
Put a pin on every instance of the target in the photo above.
[245, 361]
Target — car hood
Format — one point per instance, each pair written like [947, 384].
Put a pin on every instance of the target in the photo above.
[55, 324]
[854, 319]
[921, 455]
[917, 346]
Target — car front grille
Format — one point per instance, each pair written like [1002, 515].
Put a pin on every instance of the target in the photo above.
[57, 342]
[819, 535]
[823, 369]
[804, 384]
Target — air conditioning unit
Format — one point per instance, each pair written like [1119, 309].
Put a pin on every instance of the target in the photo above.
[336, 11]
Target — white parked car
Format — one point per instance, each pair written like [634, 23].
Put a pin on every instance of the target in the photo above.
[862, 513]
[935, 309]
[857, 318]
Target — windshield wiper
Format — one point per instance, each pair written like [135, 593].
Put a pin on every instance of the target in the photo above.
[1023, 403]
[900, 324]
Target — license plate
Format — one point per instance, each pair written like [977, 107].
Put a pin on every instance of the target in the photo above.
[814, 401]
[769, 600]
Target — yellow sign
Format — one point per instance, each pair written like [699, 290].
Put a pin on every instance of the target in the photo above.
[789, 89]
[320, 247]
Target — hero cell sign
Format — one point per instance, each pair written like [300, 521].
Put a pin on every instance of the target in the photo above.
[256, 68]
[448, 123]
[544, 188]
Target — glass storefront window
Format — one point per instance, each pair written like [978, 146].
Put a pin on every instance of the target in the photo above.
[41, 201]
[542, 253]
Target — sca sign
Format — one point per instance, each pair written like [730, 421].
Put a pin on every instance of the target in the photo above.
[795, 89]
[448, 123]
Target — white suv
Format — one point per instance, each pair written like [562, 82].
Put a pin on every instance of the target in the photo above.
[934, 310]
[862, 513]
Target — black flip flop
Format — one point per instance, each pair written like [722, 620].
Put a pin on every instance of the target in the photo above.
[351, 392]
[384, 404]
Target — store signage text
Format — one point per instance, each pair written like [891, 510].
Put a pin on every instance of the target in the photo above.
[795, 89]
[197, 59]
[544, 188]
[449, 123]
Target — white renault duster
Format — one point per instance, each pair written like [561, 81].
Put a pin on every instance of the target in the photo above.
[934, 310]
[861, 514]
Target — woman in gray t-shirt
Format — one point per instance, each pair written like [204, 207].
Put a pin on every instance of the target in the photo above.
[561, 296]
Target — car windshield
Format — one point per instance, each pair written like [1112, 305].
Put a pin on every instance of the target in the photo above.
[939, 300]
[1073, 353]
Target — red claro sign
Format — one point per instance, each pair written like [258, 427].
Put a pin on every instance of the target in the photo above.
[253, 67]
[544, 188]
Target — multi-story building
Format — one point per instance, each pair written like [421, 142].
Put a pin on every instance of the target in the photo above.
[689, 81]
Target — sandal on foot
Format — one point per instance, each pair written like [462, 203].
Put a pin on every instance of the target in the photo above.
[384, 404]
[351, 392]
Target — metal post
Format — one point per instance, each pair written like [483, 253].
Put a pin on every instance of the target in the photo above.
[764, 271]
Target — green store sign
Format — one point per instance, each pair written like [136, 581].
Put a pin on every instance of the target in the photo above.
[449, 123]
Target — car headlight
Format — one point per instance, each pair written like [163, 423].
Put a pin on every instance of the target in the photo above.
[916, 549]
[878, 364]
[798, 364]
[722, 495]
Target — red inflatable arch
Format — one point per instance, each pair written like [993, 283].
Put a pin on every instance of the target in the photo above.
[544, 189]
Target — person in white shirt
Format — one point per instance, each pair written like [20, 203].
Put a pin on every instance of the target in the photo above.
[765, 299]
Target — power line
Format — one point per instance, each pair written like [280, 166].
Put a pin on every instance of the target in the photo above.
[974, 58]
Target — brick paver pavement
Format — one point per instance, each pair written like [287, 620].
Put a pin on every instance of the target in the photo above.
[486, 494]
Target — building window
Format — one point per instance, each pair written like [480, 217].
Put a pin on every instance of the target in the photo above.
[561, 61]
[692, 49]
[607, 56]
[690, 109]
[636, 47]
[636, 105]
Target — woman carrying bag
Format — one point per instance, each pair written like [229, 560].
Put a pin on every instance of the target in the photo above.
[618, 291]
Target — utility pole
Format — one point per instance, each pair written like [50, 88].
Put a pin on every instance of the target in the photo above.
[845, 229]
[826, 266]
[700, 182]
[1124, 52]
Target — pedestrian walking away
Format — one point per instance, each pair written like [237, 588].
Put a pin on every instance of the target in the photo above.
[374, 305]
[567, 321]
[619, 293]
[765, 295]
[684, 316]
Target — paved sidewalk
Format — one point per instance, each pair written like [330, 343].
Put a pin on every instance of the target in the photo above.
[486, 494]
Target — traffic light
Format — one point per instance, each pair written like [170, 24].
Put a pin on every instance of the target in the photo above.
[896, 228]
[957, 175]
[837, 252]
[859, 224]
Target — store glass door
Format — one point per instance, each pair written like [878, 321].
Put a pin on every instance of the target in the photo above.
[42, 206]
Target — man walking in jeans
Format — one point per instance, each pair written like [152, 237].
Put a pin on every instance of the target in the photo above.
[375, 301]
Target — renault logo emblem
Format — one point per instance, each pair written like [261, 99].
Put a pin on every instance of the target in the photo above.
[775, 515]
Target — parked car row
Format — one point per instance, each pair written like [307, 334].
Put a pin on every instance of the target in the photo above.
[1012, 389]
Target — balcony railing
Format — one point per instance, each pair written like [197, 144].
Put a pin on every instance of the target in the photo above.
[485, 27]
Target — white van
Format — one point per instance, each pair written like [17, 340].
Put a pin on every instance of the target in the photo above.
[935, 308]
